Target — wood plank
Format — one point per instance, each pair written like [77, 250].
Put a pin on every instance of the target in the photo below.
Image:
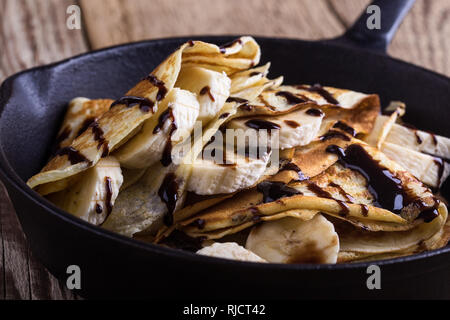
[422, 39]
[34, 33]
[111, 22]
[31, 34]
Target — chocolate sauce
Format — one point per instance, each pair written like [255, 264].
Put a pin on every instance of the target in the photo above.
[314, 112]
[255, 74]
[86, 124]
[162, 119]
[168, 192]
[418, 139]
[162, 90]
[98, 208]
[291, 98]
[345, 127]
[130, 101]
[293, 167]
[317, 88]
[73, 154]
[99, 136]
[334, 134]
[166, 158]
[292, 124]
[262, 124]
[343, 193]
[237, 99]
[386, 189]
[364, 210]
[108, 200]
[274, 190]
[246, 107]
[207, 90]
[325, 194]
[224, 115]
[229, 44]
[191, 43]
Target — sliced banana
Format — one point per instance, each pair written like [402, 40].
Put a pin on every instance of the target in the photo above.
[426, 168]
[230, 250]
[174, 123]
[419, 141]
[297, 128]
[212, 89]
[291, 240]
[92, 197]
[217, 177]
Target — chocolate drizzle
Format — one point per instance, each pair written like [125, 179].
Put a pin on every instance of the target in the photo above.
[314, 112]
[130, 101]
[325, 194]
[224, 115]
[343, 193]
[253, 74]
[207, 90]
[168, 192]
[229, 44]
[292, 124]
[291, 98]
[259, 124]
[345, 127]
[274, 190]
[98, 208]
[86, 124]
[386, 189]
[73, 154]
[108, 199]
[162, 90]
[364, 210]
[317, 88]
[167, 152]
[99, 136]
[237, 99]
[293, 167]
[332, 134]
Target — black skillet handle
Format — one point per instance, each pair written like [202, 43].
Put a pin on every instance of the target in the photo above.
[360, 35]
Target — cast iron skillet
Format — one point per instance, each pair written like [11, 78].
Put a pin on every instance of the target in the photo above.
[33, 104]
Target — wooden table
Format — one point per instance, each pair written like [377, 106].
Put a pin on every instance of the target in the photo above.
[34, 32]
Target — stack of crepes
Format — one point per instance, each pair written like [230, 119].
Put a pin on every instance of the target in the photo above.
[351, 184]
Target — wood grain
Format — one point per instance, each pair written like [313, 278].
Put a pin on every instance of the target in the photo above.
[31, 33]
[34, 33]
[112, 22]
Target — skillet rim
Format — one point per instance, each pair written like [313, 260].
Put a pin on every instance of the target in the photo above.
[13, 179]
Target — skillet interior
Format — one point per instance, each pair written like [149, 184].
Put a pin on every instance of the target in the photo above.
[34, 104]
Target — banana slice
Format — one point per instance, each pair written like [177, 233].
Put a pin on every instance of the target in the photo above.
[92, 197]
[230, 250]
[212, 89]
[291, 240]
[236, 173]
[174, 123]
[419, 141]
[297, 128]
[428, 169]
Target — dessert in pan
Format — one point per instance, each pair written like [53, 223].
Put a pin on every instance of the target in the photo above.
[208, 154]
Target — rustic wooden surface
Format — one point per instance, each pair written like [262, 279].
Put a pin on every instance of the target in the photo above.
[34, 32]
